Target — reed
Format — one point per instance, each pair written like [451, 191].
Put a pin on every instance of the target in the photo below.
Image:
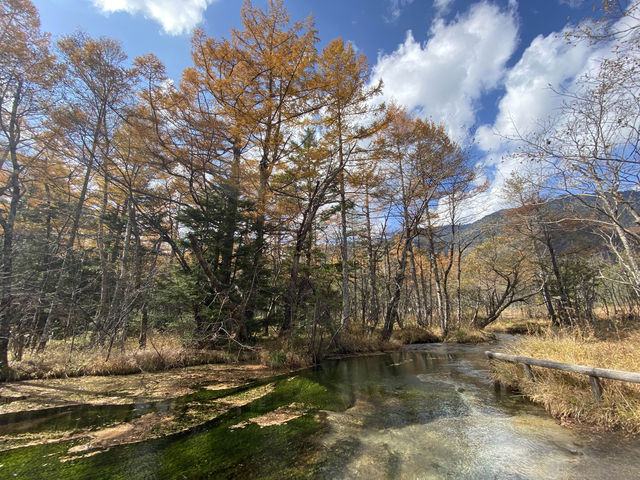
[567, 396]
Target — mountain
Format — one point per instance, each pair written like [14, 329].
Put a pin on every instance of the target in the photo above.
[569, 234]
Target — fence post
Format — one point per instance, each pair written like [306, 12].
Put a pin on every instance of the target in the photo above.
[528, 372]
[596, 388]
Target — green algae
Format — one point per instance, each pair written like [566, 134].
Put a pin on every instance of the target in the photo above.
[213, 448]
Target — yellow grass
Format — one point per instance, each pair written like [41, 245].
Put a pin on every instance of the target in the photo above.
[356, 341]
[568, 396]
[411, 334]
[162, 353]
[468, 335]
[518, 325]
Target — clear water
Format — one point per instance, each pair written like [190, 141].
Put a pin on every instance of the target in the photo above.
[430, 411]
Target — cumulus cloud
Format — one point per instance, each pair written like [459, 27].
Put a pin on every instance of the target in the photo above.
[175, 17]
[546, 66]
[444, 78]
[447, 76]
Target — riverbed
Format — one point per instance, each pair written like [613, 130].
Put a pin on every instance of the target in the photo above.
[428, 411]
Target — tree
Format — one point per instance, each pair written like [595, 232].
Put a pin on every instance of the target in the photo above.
[592, 145]
[538, 225]
[424, 160]
[26, 71]
[96, 88]
[504, 277]
[305, 182]
[445, 244]
[349, 120]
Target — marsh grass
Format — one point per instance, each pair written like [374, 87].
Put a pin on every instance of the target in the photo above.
[162, 353]
[468, 335]
[568, 396]
[411, 334]
[519, 326]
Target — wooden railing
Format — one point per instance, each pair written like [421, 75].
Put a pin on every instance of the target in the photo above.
[593, 373]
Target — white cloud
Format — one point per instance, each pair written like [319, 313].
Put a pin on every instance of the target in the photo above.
[548, 64]
[176, 17]
[395, 8]
[444, 78]
[441, 6]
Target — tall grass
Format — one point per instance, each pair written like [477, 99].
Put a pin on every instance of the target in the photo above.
[411, 334]
[162, 353]
[568, 396]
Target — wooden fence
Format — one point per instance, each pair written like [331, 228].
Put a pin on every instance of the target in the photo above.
[593, 373]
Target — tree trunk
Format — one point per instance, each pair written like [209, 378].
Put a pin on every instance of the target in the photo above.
[565, 312]
[442, 310]
[344, 254]
[6, 282]
[374, 311]
[44, 337]
[391, 314]
[104, 264]
[232, 194]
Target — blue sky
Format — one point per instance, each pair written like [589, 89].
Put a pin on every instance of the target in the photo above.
[478, 67]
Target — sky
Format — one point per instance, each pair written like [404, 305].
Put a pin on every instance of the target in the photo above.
[479, 67]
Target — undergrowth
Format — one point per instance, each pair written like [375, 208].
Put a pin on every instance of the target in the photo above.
[411, 334]
[468, 335]
[519, 326]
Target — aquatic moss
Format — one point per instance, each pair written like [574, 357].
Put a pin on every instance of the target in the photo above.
[211, 449]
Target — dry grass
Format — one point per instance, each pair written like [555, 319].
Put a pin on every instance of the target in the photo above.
[468, 335]
[568, 396]
[356, 341]
[411, 334]
[163, 352]
[515, 325]
[288, 352]
[281, 358]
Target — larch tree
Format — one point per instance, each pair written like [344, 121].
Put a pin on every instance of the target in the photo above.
[350, 117]
[425, 163]
[26, 72]
[96, 89]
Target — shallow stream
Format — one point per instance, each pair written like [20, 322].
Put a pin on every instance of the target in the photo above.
[430, 411]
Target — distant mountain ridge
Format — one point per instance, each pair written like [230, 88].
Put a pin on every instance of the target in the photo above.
[568, 236]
